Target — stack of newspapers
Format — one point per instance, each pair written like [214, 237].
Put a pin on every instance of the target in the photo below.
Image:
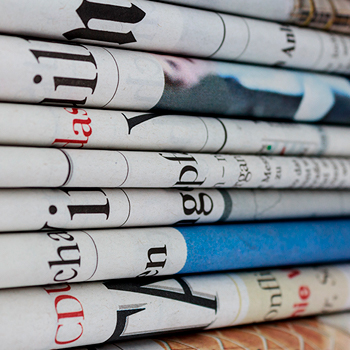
[142, 139]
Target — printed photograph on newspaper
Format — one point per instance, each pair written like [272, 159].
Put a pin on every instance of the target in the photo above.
[216, 87]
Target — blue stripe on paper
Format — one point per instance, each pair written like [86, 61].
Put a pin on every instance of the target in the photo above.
[237, 246]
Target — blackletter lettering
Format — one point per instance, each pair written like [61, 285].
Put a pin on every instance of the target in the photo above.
[85, 83]
[64, 101]
[122, 317]
[186, 222]
[89, 209]
[56, 279]
[147, 274]
[186, 169]
[67, 81]
[186, 198]
[154, 264]
[91, 10]
[139, 119]
[186, 296]
[153, 251]
[141, 287]
[64, 56]
[182, 158]
[64, 235]
[69, 261]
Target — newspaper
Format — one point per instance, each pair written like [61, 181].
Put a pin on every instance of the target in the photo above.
[55, 167]
[325, 332]
[31, 125]
[59, 256]
[322, 14]
[81, 76]
[39, 209]
[69, 315]
[153, 26]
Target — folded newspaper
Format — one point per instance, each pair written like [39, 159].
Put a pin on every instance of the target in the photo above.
[323, 14]
[81, 75]
[40, 209]
[32, 125]
[66, 315]
[55, 167]
[323, 332]
[153, 26]
[59, 256]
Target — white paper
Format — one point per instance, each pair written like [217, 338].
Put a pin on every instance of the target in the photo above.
[30, 125]
[322, 14]
[74, 256]
[154, 26]
[38, 209]
[89, 76]
[79, 314]
[50, 167]
[330, 330]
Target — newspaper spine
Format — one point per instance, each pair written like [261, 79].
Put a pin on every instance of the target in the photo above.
[83, 76]
[76, 256]
[86, 313]
[49, 167]
[178, 30]
[38, 209]
[89, 128]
